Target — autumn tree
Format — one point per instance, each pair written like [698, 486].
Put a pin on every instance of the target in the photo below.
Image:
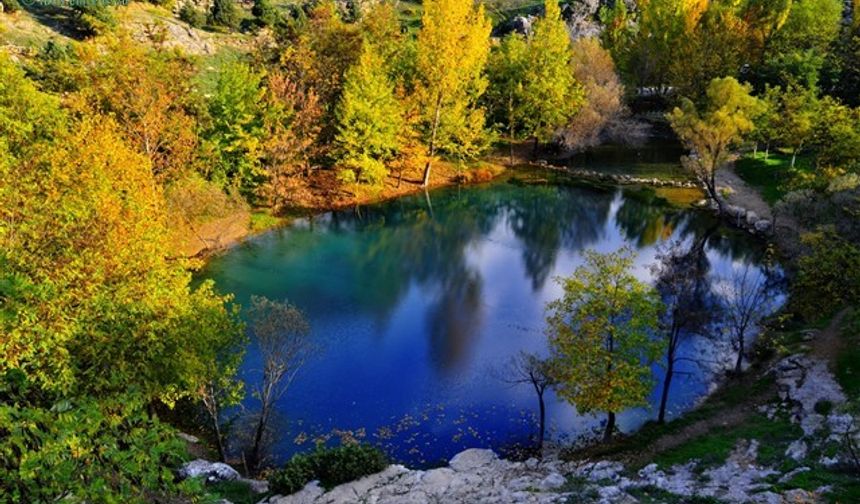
[369, 121]
[453, 47]
[601, 335]
[317, 56]
[99, 326]
[711, 132]
[292, 125]
[551, 94]
[282, 334]
[504, 98]
[149, 92]
[594, 69]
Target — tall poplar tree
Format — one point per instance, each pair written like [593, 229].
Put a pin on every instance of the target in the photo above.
[551, 93]
[453, 46]
[369, 120]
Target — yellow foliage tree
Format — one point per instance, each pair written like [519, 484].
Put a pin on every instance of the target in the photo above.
[453, 47]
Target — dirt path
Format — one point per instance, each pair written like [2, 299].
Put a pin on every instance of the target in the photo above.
[827, 343]
[787, 230]
[742, 195]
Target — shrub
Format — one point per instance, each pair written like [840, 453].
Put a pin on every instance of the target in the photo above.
[331, 466]
[225, 13]
[95, 19]
[265, 13]
[194, 17]
[828, 276]
[82, 450]
[10, 5]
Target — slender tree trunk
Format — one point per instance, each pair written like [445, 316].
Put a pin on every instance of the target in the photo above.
[755, 150]
[542, 421]
[511, 125]
[794, 157]
[667, 383]
[429, 164]
[610, 426]
[767, 151]
[740, 361]
[535, 148]
[254, 459]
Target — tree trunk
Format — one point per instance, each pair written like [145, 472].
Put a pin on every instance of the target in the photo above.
[738, 364]
[667, 383]
[542, 422]
[219, 439]
[767, 151]
[429, 164]
[535, 148]
[794, 157]
[254, 459]
[610, 426]
[755, 150]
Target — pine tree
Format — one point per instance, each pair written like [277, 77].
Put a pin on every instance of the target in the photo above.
[453, 46]
[369, 119]
[551, 92]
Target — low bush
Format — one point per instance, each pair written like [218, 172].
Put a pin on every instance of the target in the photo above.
[331, 466]
[828, 276]
[194, 17]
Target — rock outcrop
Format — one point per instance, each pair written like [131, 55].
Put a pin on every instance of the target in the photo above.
[477, 475]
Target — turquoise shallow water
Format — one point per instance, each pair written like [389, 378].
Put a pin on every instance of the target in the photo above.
[416, 304]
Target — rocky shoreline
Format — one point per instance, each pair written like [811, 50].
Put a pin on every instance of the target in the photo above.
[804, 383]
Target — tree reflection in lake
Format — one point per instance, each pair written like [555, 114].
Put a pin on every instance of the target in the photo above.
[414, 305]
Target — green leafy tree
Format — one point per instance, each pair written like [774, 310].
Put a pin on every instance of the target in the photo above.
[551, 94]
[601, 334]
[504, 98]
[265, 13]
[370, 119]
[710, 133]
[97, 323]
[795, 125]
[235, 131]
[225, 13]
[453, 47]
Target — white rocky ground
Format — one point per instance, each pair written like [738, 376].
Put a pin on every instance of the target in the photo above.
[479, 476]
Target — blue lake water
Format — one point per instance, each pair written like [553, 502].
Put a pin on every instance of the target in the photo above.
[416, 305]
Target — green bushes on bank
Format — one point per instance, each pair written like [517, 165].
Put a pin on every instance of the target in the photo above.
[331, 466]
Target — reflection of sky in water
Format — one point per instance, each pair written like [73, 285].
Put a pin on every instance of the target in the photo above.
[417, 312]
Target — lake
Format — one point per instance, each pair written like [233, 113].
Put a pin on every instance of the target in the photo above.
[417, 304]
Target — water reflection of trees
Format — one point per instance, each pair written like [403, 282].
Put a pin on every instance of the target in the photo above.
[547, 218]
[402, 244]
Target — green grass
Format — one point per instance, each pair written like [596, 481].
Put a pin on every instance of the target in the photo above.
[772, 176]
[236, 492]
[713, 448]
[845, 487]
[261, 220]
[848, 361]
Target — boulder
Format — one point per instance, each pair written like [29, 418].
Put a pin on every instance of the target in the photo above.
[796, 450]
[552, 481]
[211, 471]
[752, 218]
[762, 226]
[472, 459]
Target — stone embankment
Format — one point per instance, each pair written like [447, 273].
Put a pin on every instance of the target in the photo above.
[477, 475]
[737, 215]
